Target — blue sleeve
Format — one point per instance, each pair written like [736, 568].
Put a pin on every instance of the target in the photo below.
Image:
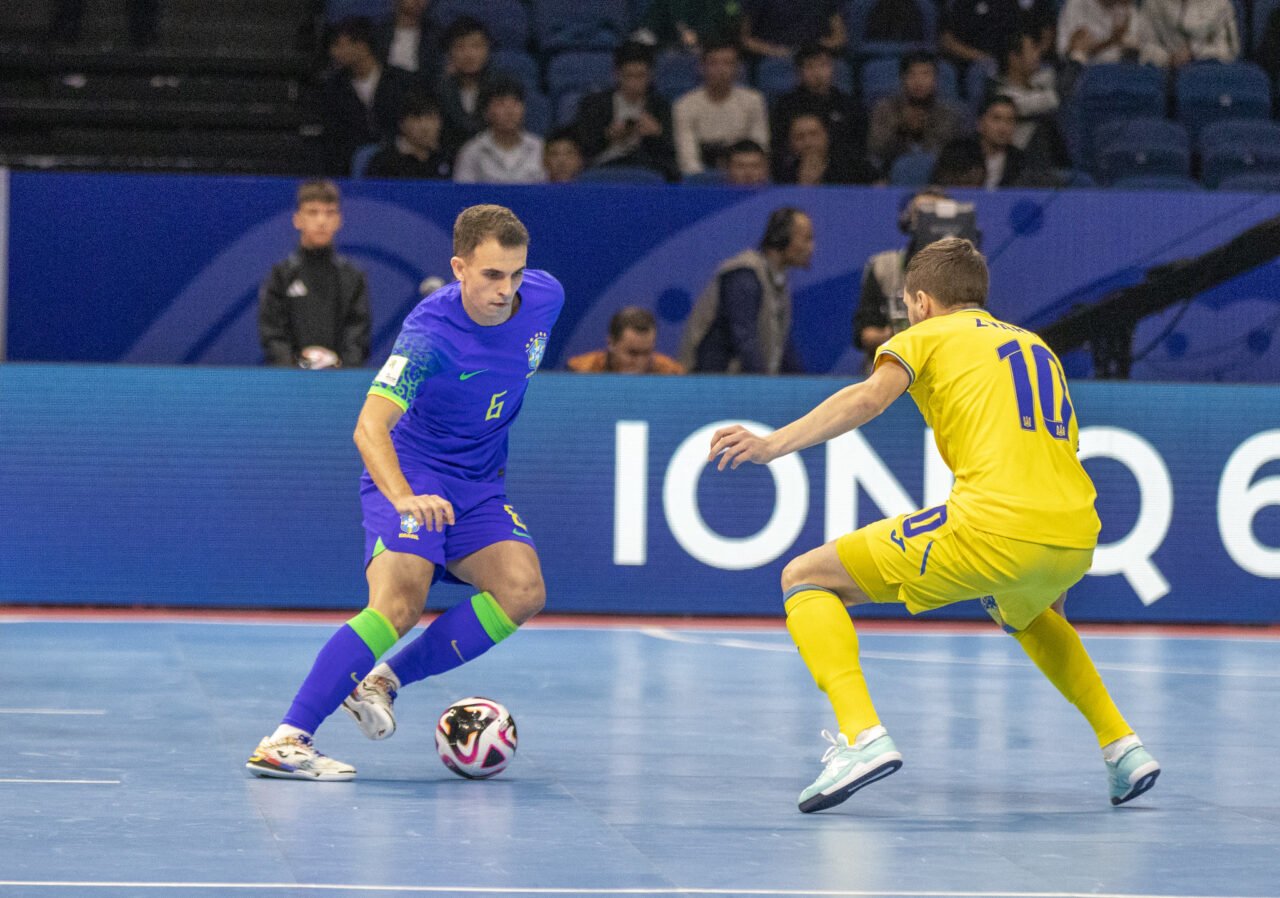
[411, 362]
[740, 297]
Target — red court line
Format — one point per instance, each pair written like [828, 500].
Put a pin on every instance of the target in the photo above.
[605, 621]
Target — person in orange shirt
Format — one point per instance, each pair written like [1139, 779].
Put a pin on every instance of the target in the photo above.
[633, 333]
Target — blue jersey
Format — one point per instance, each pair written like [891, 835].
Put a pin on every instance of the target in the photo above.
[461, 384]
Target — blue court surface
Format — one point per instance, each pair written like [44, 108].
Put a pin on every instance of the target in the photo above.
[656, 758]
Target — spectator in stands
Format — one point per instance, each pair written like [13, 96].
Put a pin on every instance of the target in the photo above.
[562, 157]
[416, 152]
[1094, 31]
[719, 113]
[915, 118]
[408, 40]
[741, 324]
[503, 153]
[976, 31]
[816, 94]
[1003, 164]
[466, 72]
[746, 165]
[361, 99]
[812, 159]
[880, 312]
[629, 124]
[143, 16]
[1032, 86]
[1269, 48]
[781, 27]
[688, 25]
[313, 309]
[1181, 31]
[629, 349]
[895, 20]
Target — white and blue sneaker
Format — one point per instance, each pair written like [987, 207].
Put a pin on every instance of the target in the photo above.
[1133, 773]
[372, 704]
[850, 768]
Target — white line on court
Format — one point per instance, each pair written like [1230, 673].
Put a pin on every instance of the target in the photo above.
[70, 712]
[25, 781]
[534, 890]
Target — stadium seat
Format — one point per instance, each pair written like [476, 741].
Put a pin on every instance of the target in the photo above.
[855, 12]
[622, 174]
[566, 107]
[775, 76]
[360, 159]
[1252, 182]
[1232, 160]
[912, 169]
[1108, 92]
[1248, 131]
[519, 65]
[1208, 92]
[537, 113]
[574, 25]
[880, 78]
[579, 71]
[1156, 182]
[337, 10]
[712, 177]
[1262, 10]
[1142, 146]
[675, 73]
[507, 21]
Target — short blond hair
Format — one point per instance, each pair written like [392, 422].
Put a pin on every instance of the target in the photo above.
[318, 191]
[476, 224]
[952, 271]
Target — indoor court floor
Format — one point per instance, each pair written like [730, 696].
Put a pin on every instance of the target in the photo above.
[656, 757]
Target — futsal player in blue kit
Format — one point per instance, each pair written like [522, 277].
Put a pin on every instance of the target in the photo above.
[433, 436]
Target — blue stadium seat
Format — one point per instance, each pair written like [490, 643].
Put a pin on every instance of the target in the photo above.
[579, 71]
[360, 159]
[775, 76]
[537, 113]
[507, 21]
[1074, 177]
[337, 10]
[1208, 92]
[575, 25]
[1249, 131]
[855, 12]
[912, 169]
[566, 107]
[1232, 160]
[519, 65]
[880, 78]
[1156, 182]
[675, 73]
[712, 177]
[1252, 182]
[622, 174]
[1143, 146]
[1109, 92]
[1262, 10]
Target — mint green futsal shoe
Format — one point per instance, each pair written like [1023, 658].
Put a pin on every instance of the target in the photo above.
[1133, 774]
[848, 770]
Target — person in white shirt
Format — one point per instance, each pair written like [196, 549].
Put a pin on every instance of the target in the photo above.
[1093, 31]
[1032, 86]
[709, 119]
[1181, 31]
[503, 153]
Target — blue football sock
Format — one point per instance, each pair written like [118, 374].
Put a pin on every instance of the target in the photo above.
[343, 662]
[464, 632]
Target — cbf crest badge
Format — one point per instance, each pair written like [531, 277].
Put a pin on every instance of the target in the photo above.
[535, 349]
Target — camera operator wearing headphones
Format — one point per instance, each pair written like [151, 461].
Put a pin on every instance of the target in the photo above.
[741, 324]
[880, 311]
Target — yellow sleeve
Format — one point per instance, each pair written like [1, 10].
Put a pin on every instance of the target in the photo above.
[910, 348]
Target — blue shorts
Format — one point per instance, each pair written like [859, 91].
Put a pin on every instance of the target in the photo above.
[482, 516]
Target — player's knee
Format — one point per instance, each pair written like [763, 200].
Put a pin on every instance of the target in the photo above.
[403, 617]
[795, 573]
[522, 597]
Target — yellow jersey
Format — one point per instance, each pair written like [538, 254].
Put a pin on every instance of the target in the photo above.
[997, 400]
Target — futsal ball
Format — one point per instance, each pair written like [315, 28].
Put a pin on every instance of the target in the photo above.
[476, 738]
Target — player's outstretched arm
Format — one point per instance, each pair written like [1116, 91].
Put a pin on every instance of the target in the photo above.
[373, 439]
[852, 407]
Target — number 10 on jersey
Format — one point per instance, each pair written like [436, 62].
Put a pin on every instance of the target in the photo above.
[1057, 421]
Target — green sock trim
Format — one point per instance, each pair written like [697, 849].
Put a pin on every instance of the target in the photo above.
[492, 617]
[376, 631]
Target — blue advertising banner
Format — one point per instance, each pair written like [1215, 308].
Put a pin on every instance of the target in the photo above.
[165, 269]
[238, 487]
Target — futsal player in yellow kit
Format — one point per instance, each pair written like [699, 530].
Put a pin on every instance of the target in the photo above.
[1018, 529]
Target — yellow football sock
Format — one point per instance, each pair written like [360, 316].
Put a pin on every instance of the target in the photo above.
[1055, 647]
[823, 632]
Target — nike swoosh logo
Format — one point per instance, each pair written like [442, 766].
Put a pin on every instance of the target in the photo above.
[355, 679]
[470, 374]
[454, 643]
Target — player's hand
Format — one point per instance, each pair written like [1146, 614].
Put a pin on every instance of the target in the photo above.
[432, 512]
[736, 444]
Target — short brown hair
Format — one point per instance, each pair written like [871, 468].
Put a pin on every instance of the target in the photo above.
[952, 271]
[632, 318]
[318, 191]
[478, 223]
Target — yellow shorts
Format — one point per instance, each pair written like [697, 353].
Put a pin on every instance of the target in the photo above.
[927, 560]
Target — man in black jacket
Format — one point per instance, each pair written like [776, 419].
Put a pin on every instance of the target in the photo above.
[629, 125]
[313, 309]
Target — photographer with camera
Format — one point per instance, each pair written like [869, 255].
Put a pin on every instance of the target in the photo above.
[881, 312]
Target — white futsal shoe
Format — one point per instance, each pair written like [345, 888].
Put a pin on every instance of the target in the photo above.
[370, 704]
[294, 757]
